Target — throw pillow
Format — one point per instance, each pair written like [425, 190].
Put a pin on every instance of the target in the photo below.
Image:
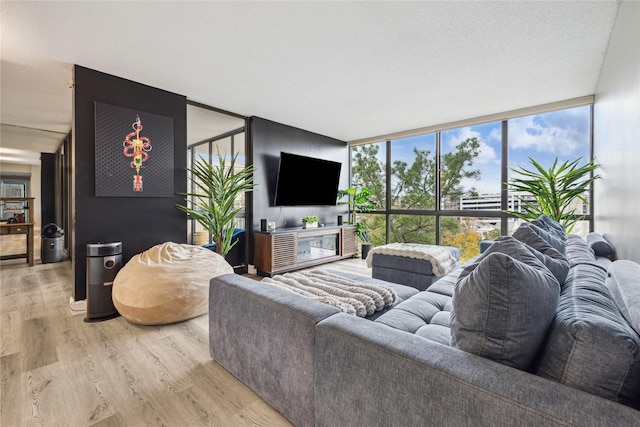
[599, 244]
[502, 307]
[551, 258]
[527, 231]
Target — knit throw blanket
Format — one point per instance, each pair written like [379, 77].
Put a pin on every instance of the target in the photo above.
[350, 296]
[442, 261]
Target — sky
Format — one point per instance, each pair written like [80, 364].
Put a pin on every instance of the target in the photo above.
[564, 134]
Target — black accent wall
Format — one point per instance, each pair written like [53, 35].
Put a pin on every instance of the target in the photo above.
[138, 222]
[267, 140]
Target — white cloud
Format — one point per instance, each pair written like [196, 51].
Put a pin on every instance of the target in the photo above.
[487, 155]
[563, 133]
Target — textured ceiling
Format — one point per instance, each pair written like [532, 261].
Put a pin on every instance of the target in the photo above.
[348, 70]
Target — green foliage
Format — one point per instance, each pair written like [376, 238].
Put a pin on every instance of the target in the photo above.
[359, 201]
[413, 187]
[212, 204]
[554, 189]
[457, 165]
[466, 239]
[368, 172]
[310, 218]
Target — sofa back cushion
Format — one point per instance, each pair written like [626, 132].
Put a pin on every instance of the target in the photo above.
[578, 252]
[550, 257]
[600, 246]
[502, 306]
[552, 226]
[529, 232]
[589, 345]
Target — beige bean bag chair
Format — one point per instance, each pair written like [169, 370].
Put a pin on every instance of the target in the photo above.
[166, 284]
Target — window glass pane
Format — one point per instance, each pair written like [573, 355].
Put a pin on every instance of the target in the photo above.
[413, 172]
[238, 146]
[222, 146]
[413, 229]
[201, 151]
[563, 135]
[238, 149]
[466, 233]
[368, 169]
[581, 228]
[376, 227]
[200, 234]
[471, 167]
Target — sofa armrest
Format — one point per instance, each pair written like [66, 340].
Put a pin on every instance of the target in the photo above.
[370, 374]
[265, 337]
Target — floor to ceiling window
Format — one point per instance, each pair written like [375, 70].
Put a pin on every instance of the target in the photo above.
[211, 133]
[448, 184]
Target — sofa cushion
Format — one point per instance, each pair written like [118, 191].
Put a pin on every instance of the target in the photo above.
[599, 244]
[589, 345]
[425, 314]
[554, 227]
[579, 252]
[624, 285]
[551, 258]
[502, 307]
[402, 292]
[527, 232]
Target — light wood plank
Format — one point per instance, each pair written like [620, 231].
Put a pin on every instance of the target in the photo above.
[57, 370]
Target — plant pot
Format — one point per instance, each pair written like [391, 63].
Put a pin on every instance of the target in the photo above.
[310, 225]
[366, 247]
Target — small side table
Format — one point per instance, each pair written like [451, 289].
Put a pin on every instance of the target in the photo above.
[20, 228]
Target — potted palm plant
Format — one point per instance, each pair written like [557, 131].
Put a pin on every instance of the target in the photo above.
[359, 201]
[212, 203]
[554, 189]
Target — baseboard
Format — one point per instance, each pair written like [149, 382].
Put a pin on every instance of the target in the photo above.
[79, 306]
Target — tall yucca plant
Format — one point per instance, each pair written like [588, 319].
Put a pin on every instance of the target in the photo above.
[553, 189]
[212, 204]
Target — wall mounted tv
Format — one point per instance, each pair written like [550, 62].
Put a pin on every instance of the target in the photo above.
[306, 181]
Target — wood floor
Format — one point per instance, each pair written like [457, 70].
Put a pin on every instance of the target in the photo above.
[57, 370]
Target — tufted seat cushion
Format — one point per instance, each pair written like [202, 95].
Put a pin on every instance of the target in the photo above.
[426, 314]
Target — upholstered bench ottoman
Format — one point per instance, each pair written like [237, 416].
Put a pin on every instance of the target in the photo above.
[412, 264]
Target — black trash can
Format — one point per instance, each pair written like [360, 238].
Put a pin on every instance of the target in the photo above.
[104, 260]
[52, 250]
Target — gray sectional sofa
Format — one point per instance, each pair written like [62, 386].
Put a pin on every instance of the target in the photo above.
[561, 352]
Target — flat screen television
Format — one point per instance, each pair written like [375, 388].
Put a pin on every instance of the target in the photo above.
[306, 181]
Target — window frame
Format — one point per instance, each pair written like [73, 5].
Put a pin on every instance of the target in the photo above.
[437, 211]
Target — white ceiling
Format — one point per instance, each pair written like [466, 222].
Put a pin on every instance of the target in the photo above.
[348, 70]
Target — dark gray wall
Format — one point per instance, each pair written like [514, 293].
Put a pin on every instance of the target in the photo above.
[267, 140]
[138, 222]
